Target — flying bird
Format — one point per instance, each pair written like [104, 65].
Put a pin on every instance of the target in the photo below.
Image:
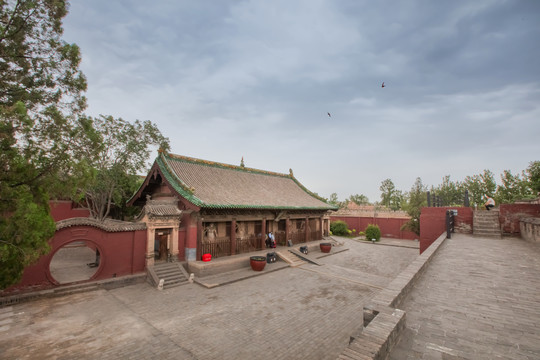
[382, 84]
[329, 115]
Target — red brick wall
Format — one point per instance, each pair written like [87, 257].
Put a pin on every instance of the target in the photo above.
[122, 253]
[61, 210]
[390, 227]
[510, 214]
[433, 223]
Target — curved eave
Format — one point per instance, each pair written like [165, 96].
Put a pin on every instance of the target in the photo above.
[145, 183]
[330, 207]
[177, 184]
[266, 207]
[161, 165]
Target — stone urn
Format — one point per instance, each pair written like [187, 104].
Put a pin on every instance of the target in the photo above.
[257, 262]
[325, 247]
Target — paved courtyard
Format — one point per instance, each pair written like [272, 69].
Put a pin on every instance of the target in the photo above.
[306, 312]
[478, 299]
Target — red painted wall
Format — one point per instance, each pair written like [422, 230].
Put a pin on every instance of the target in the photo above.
[433, 223]
[510, 214]
[390, 227]
[182, 244]
[122, 253]
[61, 210]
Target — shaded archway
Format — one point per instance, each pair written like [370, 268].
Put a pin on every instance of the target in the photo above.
[74, 262]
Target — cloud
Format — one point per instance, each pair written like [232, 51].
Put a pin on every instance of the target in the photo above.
[256, 79]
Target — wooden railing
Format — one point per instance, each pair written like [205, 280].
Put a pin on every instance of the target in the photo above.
[298, 237]
[219, 247]
[247, 244]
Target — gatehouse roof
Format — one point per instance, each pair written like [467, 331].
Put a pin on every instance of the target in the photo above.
[210, 184]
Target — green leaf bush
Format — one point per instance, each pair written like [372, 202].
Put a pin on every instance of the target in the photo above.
[339, 228]
[373, 232]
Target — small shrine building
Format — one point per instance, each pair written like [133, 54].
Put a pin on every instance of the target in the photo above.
[193, 207]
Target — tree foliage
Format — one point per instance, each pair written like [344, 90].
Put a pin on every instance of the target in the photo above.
[387, 191]
[417, 198]
[391, 198]
[451, 193]
[120, 151]
[41, 97]
[359, 199]
[373, 232]
[534, 176]
[479, 186]
[334, 201]
[339, 228]
[512, 188]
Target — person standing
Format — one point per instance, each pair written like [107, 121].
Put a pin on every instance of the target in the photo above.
[272, 240]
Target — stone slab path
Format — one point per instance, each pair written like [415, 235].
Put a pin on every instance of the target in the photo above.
[478, 299]
[291, 313]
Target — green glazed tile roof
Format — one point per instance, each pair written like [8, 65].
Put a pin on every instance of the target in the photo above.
[216, 185]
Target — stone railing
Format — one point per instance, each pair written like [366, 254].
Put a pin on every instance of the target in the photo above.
[383, 321]
[530, 229]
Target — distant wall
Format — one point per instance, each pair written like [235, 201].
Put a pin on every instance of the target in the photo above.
[64, 209]
[433, 223]
[390, 227]
[511, 214]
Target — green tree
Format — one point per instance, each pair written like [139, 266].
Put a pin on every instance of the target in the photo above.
[373, 232]
[451, 193]
[334, 201]
[512, 188]
[396, 200]
[534, 176]
[339, 228]
[387, 192]
[41, 98]
[359, 199]
[417, 198]
[479, 186]
[120, 151]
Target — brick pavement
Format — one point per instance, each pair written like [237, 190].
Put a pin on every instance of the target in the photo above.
[478, 299]
[293, 313]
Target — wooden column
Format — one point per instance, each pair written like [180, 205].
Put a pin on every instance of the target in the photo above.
[287, 230]
[174, 243]
[263, 235]
[150, 238]
[321, 222]
[306, 228]
[233, 237]
[199, 238]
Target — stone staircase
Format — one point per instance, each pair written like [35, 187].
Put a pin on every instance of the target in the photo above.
[290, 258]
[486, 223]
[305, 257]
[173, 274]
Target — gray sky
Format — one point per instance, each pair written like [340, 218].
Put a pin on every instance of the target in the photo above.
[226, 79]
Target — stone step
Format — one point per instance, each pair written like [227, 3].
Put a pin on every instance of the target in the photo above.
[75, 289]
[305, 257]
[290, 258]
[490, 235]
[486, 225]
[487, 218]
[486, 214]
[172, 273]
[166, 272]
